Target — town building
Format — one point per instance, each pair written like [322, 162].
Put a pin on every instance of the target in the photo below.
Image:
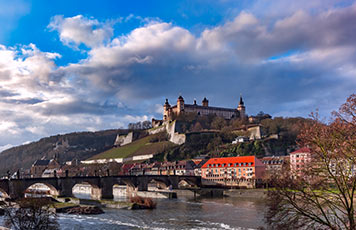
[178, 168]
[275, 163]
[299, 159]
[40, 166]
[198, 165]
[246, 171]
[170, 111]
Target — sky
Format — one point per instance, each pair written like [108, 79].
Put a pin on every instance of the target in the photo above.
[69, 66]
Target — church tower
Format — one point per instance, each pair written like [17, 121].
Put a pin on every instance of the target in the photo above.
[180, 105]
[205, 102]
[166, 111]
[241, 108]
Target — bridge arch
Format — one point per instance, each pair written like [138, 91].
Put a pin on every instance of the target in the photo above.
[120, 191]
[86, 190]
[186, 183]
[40, 189]
[3, 193]
[155, 184]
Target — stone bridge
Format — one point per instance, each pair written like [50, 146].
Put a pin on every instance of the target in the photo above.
[63, 186]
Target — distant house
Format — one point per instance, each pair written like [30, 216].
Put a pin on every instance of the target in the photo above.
[275, 163]
[125, 169]
[198, 165]
[40, 166]
[50, 173]
[246, 171]
[299, 160]
[240, 139]
[178, 168]
[138, 169]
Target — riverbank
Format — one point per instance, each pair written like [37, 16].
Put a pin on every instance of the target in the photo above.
[247, 193]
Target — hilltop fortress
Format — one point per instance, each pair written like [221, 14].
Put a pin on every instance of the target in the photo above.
[203, 110]
[170, 112]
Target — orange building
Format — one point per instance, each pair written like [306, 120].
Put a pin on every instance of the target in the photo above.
[246, 171]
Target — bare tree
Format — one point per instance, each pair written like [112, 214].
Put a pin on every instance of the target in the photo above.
[31, 214]
[322, 195]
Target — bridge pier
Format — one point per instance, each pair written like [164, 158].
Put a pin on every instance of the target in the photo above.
[107, 189]
[174, 180]
[16, 189]
[66, 186]
[142, 183]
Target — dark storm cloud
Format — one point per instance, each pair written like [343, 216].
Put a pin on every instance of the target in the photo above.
[75, 107]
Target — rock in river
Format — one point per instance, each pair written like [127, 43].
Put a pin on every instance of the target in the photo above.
[85, 210]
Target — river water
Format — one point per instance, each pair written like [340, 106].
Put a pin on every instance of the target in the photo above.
[182, 213]
[214, 213]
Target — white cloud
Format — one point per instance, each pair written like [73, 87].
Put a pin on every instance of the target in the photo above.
[76, 30]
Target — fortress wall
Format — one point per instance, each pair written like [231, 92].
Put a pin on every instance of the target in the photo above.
[124, 139]
[175, 137]
[157, 130]
[170, 127]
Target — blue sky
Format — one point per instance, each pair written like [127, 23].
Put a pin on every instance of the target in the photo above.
[90, 65]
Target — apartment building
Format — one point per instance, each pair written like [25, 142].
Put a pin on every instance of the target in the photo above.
[244, 172]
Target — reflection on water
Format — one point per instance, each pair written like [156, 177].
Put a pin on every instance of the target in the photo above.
[226, 213]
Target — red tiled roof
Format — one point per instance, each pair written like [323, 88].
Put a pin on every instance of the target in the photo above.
[232, 160]
[197, 161]
[302, 150]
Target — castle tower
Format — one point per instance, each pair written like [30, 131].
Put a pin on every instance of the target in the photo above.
[180, 105]
[166, 111]
[205, 102]
[241, 108]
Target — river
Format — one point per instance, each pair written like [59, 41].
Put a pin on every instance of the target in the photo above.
[182, 213]
[213, 213]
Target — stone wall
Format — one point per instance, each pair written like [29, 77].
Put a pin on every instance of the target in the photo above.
[170, 127]
[122, 140]
[255, 133]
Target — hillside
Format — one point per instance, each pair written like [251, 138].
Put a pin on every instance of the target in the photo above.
[80, 145]
[143, 146]
[95, 145]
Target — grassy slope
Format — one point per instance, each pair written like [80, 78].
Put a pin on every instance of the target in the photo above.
[139, 147]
